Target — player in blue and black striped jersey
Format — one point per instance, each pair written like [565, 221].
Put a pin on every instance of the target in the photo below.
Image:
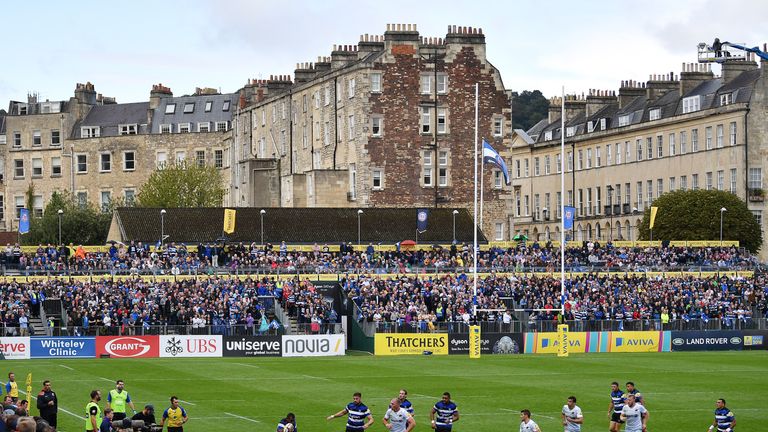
[724, 421]
[632, 390]
[444, 414]
[614, 409]
[404, 402]
[356, 413]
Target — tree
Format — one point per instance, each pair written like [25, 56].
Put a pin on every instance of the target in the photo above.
[80, 224]
[528, 108]
[182, 185]
[695, 215]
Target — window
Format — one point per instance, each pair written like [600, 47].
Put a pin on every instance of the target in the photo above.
[351, 127]
[720, 180]
[204, 127]
[441, 120]
[262, 147]
[442, 172]
[200, 158]
[649, 188]
[548, 135]
[558, 163]
[376, 126]
[442, 83]
[623, 120]
[184, 127]
[672, 184]
[536, 170]
[654, 114]
[82, 199]
[181, 156]
[639, 144]
[569, 161]
[708, 138]
[709, 180]
[498, 230]
[19, 204]
[649, 141]
[225, 106]
[208, 106]
[283, 147]
[726, 99]
[130, 197]
[170, 108]
[189, 107]
[327, 133]
[660, 146]
[518, 173]
[598, 162]
[37, 206]
[130, 129]
[691, 104]
[719, 136]
[559, 199]
[618, 152]
[90, 131]
[732, 134]
[106, 200]
[426, 84]
[659, 187]
[546, 165]
[37, 167]
[427, 168]
[222, 126]
[527, 168]
[426, 121]
[497, 179]
[683, 142]
[672, 144]
[589, 158]
[683, 183]
[282, 110]
[105, 162]
[3, 140]
[327, 98]
[376, 82]
[161, 159]
[338, 92]
[165, 129]
[377, 178]
[129, 160]
[639, 188]
[733, 180]
[758, 214]
[589, 201]
[351, 84]
[56, 136]
[56, 166]
[498, 123]
[695, 181]
[82, 163]
[755, 178]
[218, 158]
[527, 203]
[627, 151]
[570, 131]
[608, 154]
[694, 140]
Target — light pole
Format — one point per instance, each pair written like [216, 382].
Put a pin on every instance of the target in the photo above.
[262, 213]
[60, 212]
[359, 214]
[455, 212]
[610, 206]
[544, 211]
[162, 227]
[722, 210]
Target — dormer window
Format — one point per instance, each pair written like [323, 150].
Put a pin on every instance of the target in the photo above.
[570, 131]
[691, 104]
[226, 106]
[90, 131]
[208, 106]
[624, 120]
[591, 126]
[189, 108]
[547, 135]
[726, 99]
[654, 114]
[131, 129]
[603, 124]
[170, 108]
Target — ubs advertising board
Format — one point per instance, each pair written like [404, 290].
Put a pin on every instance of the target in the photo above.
[411, 344]
[191, 346]
[253, 346]
[490, 343]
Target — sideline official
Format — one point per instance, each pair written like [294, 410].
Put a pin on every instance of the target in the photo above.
[48, 404]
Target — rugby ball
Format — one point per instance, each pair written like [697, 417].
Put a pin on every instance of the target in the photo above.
[288, 428]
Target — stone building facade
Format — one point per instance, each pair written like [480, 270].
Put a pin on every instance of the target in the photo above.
[389, 122]
[691, 131]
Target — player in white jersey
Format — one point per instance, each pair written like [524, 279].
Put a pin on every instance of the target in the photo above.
[635, 415]
[398, 419]
[572, 417]
[526, 423]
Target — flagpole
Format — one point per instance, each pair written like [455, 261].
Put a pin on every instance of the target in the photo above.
[562, 204]
[482, 182]
[474, 246]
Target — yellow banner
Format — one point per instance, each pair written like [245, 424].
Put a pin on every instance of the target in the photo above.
[549, 342]
[634, 341]
[413, 344]
[29, 389]
[653, 216]
[562, 339]
[229, 220]
[475, 347]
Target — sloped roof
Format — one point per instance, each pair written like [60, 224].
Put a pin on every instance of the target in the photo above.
[198, 113]
[109, 117]
[294, 225]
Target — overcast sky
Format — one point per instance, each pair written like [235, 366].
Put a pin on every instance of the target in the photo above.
[125, 47]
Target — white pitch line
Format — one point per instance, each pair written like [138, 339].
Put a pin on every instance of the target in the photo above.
[187, 402]
[66, 367]
[317, 378]
[241, 417]
[60, 408]
[106, 379]
[247, 365]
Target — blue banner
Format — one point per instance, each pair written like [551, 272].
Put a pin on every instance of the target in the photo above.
[421, 219]
[23, 221]
[568, 215]
[707, 340]
[63, 347]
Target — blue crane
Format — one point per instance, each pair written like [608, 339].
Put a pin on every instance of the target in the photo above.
[719, 52]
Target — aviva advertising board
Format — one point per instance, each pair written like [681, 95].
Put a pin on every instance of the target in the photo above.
[588, 342]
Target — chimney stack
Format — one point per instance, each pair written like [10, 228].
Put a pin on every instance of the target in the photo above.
[629, 90]
[692, 75]
[659, 85]
[599, 99]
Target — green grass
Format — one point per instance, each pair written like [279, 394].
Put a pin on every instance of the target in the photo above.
[680, 388]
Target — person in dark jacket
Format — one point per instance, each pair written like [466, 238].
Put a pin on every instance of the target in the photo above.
[48, 404]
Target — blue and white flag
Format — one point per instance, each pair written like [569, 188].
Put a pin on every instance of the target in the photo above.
[23, 221]
[421, 219]
[493, 157]
[568, 214]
